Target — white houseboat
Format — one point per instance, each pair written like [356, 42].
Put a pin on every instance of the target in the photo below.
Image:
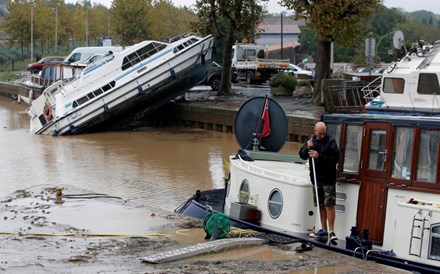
[122, 86]
[388, 185]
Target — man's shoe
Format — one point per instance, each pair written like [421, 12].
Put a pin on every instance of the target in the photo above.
[320, 234]
[332, 236]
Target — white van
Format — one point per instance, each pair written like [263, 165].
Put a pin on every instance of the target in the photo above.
[80, 55]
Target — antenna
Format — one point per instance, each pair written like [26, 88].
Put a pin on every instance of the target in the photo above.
[398, 39]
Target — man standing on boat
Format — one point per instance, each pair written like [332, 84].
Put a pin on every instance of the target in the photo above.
[323, 154]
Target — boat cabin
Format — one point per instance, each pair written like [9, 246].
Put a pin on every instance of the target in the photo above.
[388, 180]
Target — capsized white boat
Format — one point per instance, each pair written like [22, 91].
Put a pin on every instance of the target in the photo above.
[122, 86]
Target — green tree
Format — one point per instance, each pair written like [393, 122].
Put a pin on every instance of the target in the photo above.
[224, 19]
[131, 20]
[17, 24]
[340, 21]
[173, 20]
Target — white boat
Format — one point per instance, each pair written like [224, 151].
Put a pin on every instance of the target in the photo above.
[410, 85]
[388, 186]
[34, 84]
[122, 86]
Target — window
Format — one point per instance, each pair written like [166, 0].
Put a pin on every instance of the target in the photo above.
[402, 158]
[428, 155]
[244, 192]
[275, 203]
[353, 144]
[428, 84]
[393, 85]
[141, 54]
[376, 159]
[334, 130]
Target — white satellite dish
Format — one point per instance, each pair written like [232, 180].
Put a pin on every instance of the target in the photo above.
[398, 39]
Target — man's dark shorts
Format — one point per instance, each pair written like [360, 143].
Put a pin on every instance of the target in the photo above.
[327, 195]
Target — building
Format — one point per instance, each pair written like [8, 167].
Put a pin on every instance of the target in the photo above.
[279, 34]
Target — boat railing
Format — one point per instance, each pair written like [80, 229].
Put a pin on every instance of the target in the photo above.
[273, 175]
[178, 37]
[372, 90]
[348, 96]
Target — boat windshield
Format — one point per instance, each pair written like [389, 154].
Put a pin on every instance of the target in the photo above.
[142, 54]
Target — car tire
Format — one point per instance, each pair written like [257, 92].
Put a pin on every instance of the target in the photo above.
[215, 83]
[249, 76]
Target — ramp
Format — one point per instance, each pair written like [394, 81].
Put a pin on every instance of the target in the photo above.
[212, 246]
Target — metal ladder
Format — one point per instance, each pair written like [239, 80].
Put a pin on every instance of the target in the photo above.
[417, 219]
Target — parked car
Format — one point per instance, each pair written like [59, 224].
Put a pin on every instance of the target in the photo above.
[299, 72]
[215, 76]
[38, 66]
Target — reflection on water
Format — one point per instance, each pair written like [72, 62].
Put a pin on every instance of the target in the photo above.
[160, 167]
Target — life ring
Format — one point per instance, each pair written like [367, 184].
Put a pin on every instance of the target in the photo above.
[47, 112]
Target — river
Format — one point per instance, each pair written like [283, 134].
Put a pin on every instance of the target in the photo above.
[160, 167]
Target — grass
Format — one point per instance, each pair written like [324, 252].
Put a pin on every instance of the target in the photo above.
[12, 70]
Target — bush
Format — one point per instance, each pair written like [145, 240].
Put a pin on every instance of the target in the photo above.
[283, 79]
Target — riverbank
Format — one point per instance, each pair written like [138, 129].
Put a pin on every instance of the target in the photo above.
[84, 232]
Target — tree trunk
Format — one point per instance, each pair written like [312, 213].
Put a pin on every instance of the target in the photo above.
[228, 42]
[323, 49]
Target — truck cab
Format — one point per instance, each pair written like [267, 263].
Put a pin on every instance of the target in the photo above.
[252, 67]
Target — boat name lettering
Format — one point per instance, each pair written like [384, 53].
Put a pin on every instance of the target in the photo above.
[400, 196]
[419, 100]
[297, 225]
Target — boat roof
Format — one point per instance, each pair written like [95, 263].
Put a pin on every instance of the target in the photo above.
[393, 118]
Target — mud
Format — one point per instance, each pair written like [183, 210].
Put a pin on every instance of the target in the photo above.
[95, 233]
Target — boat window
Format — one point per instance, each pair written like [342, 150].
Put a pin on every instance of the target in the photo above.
[90, 95]
[428, 155]
[334, 130]
[98, 92]
[275, 203]
[141, 54]
[82, 100]
[244, 192]
[377, 153]
[352, 151]
[244, 186]
[428, 84]
[393, 85]
[402, 158]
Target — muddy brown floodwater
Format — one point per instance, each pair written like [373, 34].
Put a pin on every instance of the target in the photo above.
[143, 175]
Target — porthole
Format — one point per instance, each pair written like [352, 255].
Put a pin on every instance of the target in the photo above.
[243, 194]
[275, 203]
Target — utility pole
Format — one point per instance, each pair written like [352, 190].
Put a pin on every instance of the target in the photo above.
[56, 26]
[33, 5]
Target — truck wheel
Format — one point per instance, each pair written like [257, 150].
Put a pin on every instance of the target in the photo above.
[249, 76]
[215, 83]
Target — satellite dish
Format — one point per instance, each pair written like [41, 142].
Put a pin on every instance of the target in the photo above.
[398, 39]
[247, 123]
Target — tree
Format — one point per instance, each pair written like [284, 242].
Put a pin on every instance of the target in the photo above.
[224, 19]
[173, 20]
[131, 20]
[17, 25]
[334, 21]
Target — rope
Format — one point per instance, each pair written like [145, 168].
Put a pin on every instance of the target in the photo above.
[82, 234]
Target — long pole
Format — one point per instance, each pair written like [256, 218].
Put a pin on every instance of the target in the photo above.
[318, 212]
[56, 27]
[32, 31]
[87, 27]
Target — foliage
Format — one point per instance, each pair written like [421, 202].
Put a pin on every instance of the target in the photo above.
[283, 79]
[224, 19]
[134, 21]
[334, 21]
[126, 15]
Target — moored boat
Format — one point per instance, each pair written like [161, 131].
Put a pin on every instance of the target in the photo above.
[410, 85]
[388, 185]
[122, 86]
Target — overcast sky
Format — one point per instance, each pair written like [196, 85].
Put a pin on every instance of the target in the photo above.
[273, 6]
